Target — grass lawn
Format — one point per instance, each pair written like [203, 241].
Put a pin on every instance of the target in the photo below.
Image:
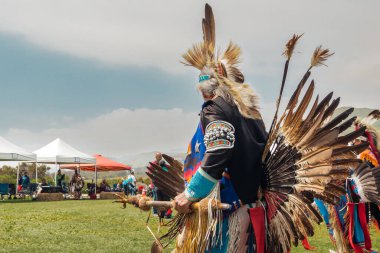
[88, 225]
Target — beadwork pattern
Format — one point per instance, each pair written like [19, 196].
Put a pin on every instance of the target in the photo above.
[219, 134]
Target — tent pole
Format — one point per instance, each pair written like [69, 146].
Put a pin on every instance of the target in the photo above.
[17, 177]
[96, 179]
[36, 174]
[55, 174]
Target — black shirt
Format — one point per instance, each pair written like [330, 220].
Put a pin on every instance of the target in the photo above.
[242, 157]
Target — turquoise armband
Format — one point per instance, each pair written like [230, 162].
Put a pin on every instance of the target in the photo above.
[200, 185]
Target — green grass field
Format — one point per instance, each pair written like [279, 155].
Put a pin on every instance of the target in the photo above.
[89, 226]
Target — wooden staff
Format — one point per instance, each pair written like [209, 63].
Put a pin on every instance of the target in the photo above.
[145, 203]
[194, 206]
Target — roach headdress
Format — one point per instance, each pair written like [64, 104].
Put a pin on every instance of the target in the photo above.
[223, 67]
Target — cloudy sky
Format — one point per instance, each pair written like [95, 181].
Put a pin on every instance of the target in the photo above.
[106, 77]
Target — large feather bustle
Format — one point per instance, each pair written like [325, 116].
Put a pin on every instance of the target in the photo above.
[292, 222]
[307, 155]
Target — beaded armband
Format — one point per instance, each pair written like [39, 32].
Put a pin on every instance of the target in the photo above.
[219, 135]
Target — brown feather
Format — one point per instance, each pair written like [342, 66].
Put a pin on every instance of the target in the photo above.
[319, 57]
[290, 45]
[210, 29]
[197, 56]
[338, 119]
[297, 117]
[330, 110]
[173, 162]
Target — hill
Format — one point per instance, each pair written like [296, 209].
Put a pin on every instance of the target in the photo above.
[140, 161]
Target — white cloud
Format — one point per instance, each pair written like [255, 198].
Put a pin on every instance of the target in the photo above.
[119, 133]
[122, 133]
[155, 33]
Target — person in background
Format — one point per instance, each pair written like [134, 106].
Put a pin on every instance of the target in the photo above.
[44, 183]
[104, 186]
[19, 184]
[370, 156]
[119, 185]
[125, 186]
[76, 185]
[60, 178]
[25, 181]
[151, 191]
[132, 183]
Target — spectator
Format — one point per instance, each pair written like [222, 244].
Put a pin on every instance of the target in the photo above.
[19, 184]
[59, 179]
[76, 185]
[119, 185]
[125, 186]
[104, 186]
[151, 191]
[25, 181]
[131, 183]
[44, 183]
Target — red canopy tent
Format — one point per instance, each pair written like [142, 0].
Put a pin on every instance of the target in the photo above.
[102, 164]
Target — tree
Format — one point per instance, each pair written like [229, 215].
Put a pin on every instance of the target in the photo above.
[30, 168]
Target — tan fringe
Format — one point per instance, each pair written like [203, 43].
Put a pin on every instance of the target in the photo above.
[233, 232]
[203, 229]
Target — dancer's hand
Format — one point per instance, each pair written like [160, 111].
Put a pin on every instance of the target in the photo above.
[182, 204]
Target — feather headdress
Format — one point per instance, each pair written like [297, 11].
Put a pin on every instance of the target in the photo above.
[371, 133]
[223, 67]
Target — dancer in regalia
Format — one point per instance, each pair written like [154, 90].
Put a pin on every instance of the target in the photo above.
[347, 222]
[303, 157]
[266, 181]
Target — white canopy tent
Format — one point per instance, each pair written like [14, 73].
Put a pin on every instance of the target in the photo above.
[59, 152]
[12, 152]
